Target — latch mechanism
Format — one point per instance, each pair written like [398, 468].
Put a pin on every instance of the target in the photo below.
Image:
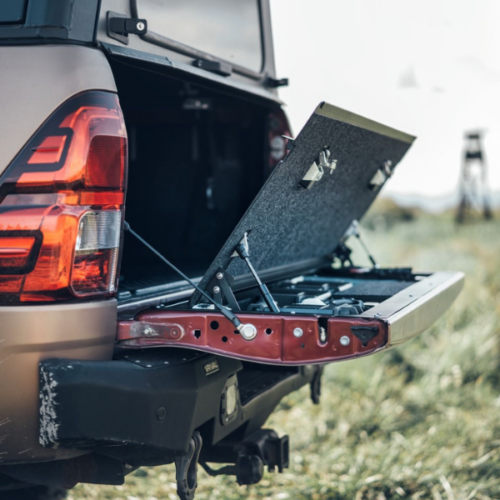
[119, 27]
[317, 169]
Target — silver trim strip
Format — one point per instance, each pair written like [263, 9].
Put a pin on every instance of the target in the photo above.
[329, 111]
[422, 313]
[411, 311]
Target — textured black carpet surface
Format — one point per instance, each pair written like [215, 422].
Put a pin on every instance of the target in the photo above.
[287, 223]
[374, 288]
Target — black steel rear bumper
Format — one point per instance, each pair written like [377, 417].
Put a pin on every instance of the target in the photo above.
[143, 407]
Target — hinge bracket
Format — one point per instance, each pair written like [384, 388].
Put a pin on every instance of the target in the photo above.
[220, 287]
[217, 67]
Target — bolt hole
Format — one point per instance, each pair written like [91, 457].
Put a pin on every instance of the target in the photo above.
[236, 332]
[224, 339]
[269, 331]
[197, 334]
[214, 325]
[302, 345]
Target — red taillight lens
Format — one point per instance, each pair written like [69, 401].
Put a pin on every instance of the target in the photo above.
[62, 204]
[278, 127]
[106, 162]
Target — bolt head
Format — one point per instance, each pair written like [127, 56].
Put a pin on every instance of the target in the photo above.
[149, 332]
[216, 289]
[248, 331]
[345, 340]
[298, 332]
[219, 276]
[140, 26]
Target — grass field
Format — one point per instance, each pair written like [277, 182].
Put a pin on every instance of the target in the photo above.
[418, 422]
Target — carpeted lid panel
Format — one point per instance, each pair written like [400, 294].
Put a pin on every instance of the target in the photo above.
[286, 223]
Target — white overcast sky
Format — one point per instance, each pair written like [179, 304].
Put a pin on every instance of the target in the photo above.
[428, 67]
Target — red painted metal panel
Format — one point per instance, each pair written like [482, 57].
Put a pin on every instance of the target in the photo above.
[275, 342]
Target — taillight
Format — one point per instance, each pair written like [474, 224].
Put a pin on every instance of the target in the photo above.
[278, 127]
[61, 205]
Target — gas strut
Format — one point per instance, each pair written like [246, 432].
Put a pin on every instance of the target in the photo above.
[242, 251]
[353, 230]
[224, 310]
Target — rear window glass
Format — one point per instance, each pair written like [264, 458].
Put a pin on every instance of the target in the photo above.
[12, 11]
[227, 29]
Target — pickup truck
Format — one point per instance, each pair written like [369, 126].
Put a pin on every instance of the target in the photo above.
[172, 261]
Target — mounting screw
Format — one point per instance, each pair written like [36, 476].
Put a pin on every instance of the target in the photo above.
[345, 340]
[140, 26]
[219, 276]
[161, 413]
[298, 332]
[216, 289]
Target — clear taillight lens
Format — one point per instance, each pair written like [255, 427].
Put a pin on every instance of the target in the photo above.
[96, 253]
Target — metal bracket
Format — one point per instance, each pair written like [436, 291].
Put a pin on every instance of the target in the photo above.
[274, 83]
[381, 175]
[221, 286]
[262, 448]
[217, 67]
[317, 169]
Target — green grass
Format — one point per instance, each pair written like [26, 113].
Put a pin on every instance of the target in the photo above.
[421, 421]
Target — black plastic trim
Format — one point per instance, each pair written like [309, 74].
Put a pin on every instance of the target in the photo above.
[32, 257]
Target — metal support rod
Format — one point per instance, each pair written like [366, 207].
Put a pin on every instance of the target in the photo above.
[365, 248]
[223, 310]
[266, 294]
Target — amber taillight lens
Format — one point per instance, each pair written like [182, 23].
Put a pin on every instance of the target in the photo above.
[61, 205]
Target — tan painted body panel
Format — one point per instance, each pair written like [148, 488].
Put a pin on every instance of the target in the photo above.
[35, 80]
[29, 334]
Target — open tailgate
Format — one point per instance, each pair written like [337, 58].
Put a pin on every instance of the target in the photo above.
[333, 172]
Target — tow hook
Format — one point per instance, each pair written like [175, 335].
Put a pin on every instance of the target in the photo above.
[186, 469]
[316, 386]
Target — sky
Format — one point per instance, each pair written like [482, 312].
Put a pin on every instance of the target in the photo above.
[428, 67]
